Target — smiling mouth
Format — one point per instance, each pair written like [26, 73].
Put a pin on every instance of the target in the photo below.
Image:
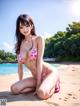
[25, 32]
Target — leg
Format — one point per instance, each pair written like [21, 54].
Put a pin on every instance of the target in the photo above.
[47, 87]
[24, 86]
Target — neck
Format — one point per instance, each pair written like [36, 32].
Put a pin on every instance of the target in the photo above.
[28, 38]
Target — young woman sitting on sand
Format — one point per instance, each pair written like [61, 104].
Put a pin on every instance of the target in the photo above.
[29, 50]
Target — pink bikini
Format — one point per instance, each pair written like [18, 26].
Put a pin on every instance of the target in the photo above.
[57, 86]
[32, 55]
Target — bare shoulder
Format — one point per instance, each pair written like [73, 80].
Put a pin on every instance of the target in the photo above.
[40, 39]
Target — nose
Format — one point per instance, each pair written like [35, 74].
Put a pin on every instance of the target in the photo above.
[25, 29]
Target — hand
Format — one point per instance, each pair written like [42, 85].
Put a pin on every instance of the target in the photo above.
[35, 93]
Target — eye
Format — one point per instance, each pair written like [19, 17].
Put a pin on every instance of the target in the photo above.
[27, 26]
[21, 27]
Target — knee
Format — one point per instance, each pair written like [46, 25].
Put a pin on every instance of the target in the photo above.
[14, 89]
[42, 94]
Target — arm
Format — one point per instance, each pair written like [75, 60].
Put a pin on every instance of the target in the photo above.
[40, 46]
[20, 70]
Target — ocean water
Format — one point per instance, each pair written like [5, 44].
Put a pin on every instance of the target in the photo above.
[10, 68]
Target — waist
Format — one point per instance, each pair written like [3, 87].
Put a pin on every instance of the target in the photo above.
[46, 68]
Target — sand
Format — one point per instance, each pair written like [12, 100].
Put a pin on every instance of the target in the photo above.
[69, 94]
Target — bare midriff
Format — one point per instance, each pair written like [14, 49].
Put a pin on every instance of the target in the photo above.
[32, 66]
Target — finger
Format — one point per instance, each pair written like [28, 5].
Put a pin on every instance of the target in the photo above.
[34, 93]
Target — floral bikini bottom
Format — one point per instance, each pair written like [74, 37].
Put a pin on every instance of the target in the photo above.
[57, 86]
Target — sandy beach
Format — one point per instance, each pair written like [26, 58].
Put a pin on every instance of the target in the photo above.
[69, 94]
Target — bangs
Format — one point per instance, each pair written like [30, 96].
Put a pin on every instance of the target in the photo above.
[24, 23]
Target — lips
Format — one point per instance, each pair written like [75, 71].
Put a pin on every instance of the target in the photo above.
[25, 32]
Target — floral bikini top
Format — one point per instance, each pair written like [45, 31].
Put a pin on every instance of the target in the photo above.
[32, 53]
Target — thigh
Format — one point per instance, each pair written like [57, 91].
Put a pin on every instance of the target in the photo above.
[49, 81]
[25, 83]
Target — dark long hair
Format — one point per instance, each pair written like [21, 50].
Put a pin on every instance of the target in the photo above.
[24, 19]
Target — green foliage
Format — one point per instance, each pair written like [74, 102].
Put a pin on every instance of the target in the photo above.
[7, 57]
[65, 44]
[68, 58]
[73, 28]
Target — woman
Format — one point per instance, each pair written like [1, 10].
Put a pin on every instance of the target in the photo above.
[29, 51]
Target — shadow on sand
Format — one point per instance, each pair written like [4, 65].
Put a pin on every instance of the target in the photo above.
[23, 97]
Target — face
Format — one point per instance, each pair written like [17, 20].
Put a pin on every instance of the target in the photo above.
[25, 29]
